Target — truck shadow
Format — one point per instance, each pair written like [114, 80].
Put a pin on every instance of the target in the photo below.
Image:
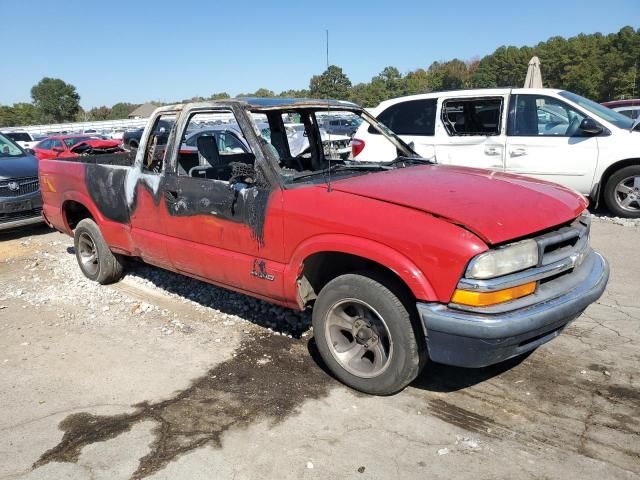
[24, 232]
[436, 377]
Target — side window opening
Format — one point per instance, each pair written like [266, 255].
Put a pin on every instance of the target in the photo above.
[473, 116]
[213, 147]
[414, 117]
[156, 148]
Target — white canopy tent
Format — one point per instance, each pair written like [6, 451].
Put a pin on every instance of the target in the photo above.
[534, 75]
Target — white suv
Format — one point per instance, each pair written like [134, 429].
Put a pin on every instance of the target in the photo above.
[549, 134]
[21, 137]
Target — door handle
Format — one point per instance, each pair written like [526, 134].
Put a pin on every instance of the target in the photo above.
[492, 151]
[171, 195]
[518, 152]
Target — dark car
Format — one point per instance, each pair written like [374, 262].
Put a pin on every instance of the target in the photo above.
[131, 138]
[20, 200]
[341, 126]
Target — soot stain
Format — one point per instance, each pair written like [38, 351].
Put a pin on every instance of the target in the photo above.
[268, 378]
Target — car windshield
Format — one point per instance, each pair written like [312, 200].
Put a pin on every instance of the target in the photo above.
[598, 110]
[8, 148]
[70, 142]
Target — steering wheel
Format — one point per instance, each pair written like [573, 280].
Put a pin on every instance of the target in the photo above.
[573, 127]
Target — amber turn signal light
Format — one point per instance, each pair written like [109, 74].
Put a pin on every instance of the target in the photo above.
[484, 299]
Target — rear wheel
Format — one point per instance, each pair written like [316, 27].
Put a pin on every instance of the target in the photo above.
[366, 335]
[622, 192]
[96, 261]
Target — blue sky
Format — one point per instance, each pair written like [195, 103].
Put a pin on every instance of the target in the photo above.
[139, 50]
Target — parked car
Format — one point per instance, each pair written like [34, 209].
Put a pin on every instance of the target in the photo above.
[131, 138]
[400, 260]
[544, 133]
[20, 200]
[21, 137]
[70, 146]
[629, 108]
[341, 126]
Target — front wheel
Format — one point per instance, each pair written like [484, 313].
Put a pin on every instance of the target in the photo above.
[622, 192]
[366, 334]
[96, 261]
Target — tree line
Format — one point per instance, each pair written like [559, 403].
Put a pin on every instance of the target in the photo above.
[597, 66]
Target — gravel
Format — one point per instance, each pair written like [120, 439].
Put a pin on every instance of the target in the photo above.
[51, 277]
[625, 222]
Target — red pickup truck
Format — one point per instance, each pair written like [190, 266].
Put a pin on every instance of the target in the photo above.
[402, 261]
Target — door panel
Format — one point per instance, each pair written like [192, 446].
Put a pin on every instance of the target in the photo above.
[470, 132]
[226, 232]
[544, 141]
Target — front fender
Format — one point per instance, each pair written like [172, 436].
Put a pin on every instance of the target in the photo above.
[402, 266]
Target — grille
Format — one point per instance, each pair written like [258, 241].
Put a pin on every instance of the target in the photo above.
[564, 242]
[25, 186]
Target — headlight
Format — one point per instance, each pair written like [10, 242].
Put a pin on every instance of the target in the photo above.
[501, 261]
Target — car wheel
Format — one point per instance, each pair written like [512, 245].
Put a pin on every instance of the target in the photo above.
[133, 144]
[367, 335]
[622, 192]
[96, 261]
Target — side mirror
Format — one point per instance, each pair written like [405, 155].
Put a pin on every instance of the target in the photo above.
[589, 126]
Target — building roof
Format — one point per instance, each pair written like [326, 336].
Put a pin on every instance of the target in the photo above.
[143, 111]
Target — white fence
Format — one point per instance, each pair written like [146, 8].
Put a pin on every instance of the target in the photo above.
[79, 127]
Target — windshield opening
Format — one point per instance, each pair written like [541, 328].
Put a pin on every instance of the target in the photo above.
[8, 148]
[307, 142]
[598, 110]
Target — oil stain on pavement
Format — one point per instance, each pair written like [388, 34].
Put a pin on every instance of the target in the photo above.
[268, 378]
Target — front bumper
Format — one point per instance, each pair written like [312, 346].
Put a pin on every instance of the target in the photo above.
[20, 211]
[473, 339]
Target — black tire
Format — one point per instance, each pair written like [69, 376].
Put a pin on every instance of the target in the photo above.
[133, 144]
[405, 340]
[96, 261]
[611, 196]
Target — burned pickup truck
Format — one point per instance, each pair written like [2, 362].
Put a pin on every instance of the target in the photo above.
[402, 261]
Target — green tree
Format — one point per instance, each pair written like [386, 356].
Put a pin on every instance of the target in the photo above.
[99, 113]
[121, 110]
[332, 83]
[219, 96]
[293, 93]
[58, 101]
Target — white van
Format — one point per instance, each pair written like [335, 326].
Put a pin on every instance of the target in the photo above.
[549, 134]
[21, 137]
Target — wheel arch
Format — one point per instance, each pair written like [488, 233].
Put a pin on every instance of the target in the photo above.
[320, 259]
[75, 207]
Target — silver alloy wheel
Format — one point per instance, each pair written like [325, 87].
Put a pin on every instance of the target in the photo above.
[88, 254]
[358, 338]
[627, 193]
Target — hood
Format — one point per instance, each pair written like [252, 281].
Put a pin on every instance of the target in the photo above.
[497, 207]
[97, 143]
[18, 167]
